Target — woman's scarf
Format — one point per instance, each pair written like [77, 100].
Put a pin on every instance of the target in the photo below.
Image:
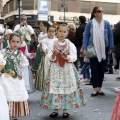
[98, 39]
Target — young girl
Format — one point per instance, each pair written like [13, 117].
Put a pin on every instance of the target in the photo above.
[4, 111]
[8, 32]
[11, 79]
[39, 52]
[26, 71]
[44, 64]
[62, 89]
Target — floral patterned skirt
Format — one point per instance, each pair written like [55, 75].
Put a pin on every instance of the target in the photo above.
[62, 88]
[116, 109]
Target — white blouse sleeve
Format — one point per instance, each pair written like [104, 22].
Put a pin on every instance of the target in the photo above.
[49, 55]
[30, 29]
[24, 61]
[17, 27]
[44, 45]
[27, 54]
[72, 57]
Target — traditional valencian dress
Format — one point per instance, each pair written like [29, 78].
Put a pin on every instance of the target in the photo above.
[62, 89]
[44, 64]
[116, 109]
[4, 111]
[26, 71]
[13, 84]
[39, 52]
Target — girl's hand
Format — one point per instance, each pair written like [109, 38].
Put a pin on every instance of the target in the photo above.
[2, 67]
[33, 55]
[84, 52]
[54, 54]
[64, 55]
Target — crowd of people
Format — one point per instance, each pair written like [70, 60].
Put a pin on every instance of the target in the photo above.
[50, 63]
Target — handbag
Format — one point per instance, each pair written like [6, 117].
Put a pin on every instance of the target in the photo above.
[90, 52]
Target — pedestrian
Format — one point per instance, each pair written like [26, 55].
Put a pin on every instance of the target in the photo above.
[79, 39]
[71, 33]
[98, 33]
[26, 30]
[85, 71]
[62, 88]
[11, 79]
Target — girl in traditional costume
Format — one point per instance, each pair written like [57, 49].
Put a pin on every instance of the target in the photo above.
[11, 79]
[39, 52]
[116, 109]
[8, 32]
[62, 88]
[26, 71]
[44, 64]
[4, 111]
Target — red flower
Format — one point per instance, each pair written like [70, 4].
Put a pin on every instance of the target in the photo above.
[56, 100]
[76, 105]
[45, 106]
[60, 96]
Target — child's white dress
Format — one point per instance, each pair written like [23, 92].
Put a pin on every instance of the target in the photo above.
[13, 84]
[4, 111]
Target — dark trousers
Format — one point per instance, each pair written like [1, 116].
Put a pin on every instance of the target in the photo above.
[97, 72]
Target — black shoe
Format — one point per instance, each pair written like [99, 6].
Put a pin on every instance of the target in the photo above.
[101, 93]
[54, 114]
[116, 67]
[94, 94]
[118, 78]
[65, 115]
[110, 72]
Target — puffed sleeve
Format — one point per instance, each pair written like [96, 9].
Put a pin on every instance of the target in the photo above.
[30, 29]
[24, 61]
[17, 27]
[72, 57]
[50, 52]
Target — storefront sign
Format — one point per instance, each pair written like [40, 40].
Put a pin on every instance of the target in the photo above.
[43, 10]
[68, 18]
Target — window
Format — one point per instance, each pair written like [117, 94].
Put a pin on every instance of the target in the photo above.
[85, 7]
[109, 8]
[11, 6]
[62, 4]
[28, 4]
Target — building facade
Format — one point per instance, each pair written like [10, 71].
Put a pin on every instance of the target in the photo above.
[73, 9]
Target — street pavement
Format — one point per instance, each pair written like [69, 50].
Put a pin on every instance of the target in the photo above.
[97, 108]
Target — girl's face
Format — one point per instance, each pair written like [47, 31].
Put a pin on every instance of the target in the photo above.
[42, 27]
[62, 32]
[15, 43]
[51, 32]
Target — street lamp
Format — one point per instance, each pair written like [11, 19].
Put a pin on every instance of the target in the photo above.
[19, 8]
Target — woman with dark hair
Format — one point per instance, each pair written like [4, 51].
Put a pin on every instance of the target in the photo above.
[98, 33]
